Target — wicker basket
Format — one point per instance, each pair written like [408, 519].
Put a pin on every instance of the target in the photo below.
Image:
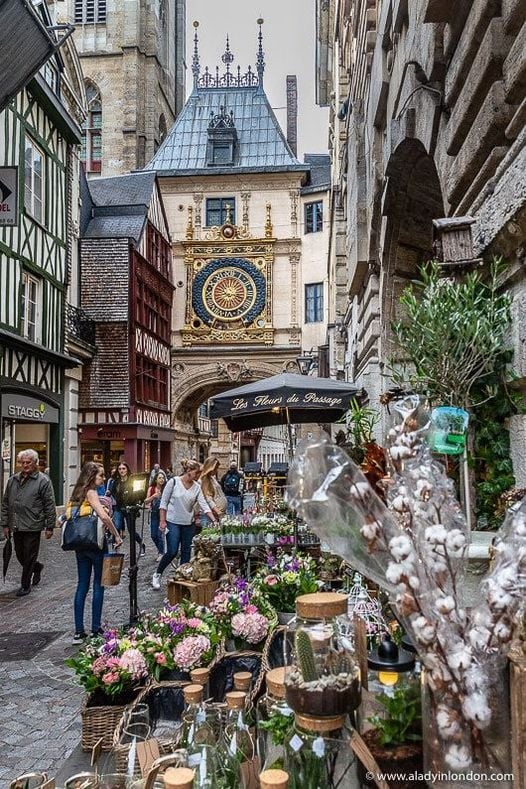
[99, 722]
[166, 745]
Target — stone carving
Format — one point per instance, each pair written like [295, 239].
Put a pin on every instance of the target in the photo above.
[234, 371]
[178, 369]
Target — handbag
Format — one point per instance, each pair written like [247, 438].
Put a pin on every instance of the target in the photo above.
[112, 569]
[83, 532]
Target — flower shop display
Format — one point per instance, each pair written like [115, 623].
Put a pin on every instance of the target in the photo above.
[415, 548]
[284, 577]
[242, 613]
[319, 753]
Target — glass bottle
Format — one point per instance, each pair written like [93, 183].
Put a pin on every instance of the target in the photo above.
[318, 755]
[273, 779]
[200, 726]
[275, 720]
[243, 683]
[214, 768]
[237, 737]
[324, 677]
[201, 676]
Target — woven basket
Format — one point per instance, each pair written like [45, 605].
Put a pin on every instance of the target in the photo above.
[99, 722]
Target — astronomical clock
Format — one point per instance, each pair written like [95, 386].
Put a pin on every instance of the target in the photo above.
[229, 286]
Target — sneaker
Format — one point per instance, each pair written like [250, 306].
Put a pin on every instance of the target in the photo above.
[37, 573]
[23, 591]
[79, 637]
[160, 556]
[156, 580]
[98, 632]
[143, 550]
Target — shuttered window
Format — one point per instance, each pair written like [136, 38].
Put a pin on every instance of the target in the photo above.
[87, 11]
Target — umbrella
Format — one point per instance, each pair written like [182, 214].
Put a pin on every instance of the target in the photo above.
[7, 553]
[287, 398]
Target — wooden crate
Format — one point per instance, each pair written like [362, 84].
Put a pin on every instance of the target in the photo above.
[517, 660]
[199, 592]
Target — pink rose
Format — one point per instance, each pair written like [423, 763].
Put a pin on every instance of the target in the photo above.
[271, 580]
[160, 658]
[110, 677]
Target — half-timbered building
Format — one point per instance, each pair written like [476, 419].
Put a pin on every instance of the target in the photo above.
[126, 289]
[38, 137]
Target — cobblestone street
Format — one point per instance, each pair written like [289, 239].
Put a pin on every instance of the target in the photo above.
[39, 700]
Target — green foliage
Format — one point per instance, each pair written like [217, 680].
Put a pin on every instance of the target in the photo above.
[280, 726]
[402, 717]
[305, 656]
[452, 334]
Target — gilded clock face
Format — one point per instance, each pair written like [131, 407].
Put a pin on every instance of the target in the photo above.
[229, 293]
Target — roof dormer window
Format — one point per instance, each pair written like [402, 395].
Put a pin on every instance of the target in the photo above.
[222, 140]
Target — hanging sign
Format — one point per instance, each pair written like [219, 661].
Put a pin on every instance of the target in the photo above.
[8, 196]
[6, 449]
[447, 434]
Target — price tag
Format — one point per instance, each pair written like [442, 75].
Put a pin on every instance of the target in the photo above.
[147, 753]
[318, 747]
[250, 773]
[296, 743]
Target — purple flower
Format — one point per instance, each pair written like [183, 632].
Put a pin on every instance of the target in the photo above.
[176, 627]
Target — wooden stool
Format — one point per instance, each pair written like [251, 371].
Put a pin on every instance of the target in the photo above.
[199, 592]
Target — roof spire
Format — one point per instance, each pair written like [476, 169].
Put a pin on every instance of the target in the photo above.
[195, 60]
[260, 60]
[227, 59]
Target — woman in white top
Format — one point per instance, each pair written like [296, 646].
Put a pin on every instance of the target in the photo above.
[179, 497]
[212, 490]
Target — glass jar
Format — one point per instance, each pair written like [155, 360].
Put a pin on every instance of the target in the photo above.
[324, 677]
[318, 755]
[275, 720]
[236, 734]
[200, 725]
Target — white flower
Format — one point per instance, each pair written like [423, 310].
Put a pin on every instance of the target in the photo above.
[461, 657]
[475, 707]
[400, 547]
[506, 578]
[394, 573]
[398, 453]
[400, 503]
[447, 722]
[458, 757]
[423, 488]
[370, 530]
[502, 632]
[474, 679]
[360, 490]
[436, 535]
[436, 564]
[444, 605]
[498, 599]
[414, 582]
[455, 542]
[425, 630]
[479, 637]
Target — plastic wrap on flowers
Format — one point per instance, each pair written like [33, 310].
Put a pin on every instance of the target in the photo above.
[415, 547]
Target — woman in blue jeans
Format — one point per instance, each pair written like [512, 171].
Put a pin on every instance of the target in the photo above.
[180, 495]
[86, 499]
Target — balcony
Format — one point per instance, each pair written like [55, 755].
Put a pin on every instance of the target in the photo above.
[79, 325]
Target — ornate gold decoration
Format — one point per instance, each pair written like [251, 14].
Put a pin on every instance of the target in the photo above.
[245, 197]
[190, 224]
[268, 222]
[294, 196]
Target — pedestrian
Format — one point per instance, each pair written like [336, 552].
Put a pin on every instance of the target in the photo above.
[153, 498]
[153, 473]
[117, 489]
[28, 508]
[86, 498]
[231, 484]
[212, 490]
[169, 472]
[179, 497]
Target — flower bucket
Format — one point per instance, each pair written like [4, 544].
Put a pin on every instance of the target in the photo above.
[99, 721]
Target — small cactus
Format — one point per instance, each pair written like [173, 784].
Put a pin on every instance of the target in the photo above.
[344, 664]
[305, 657]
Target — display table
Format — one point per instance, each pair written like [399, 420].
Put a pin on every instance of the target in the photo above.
[199, 592]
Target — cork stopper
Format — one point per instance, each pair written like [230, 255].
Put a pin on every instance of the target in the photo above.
[236, 700]
[193, 694]
[242, 680]
[179, 778]
[274, 779]
[321, 605]
[200, 676]
[276, 682]
[320, 725]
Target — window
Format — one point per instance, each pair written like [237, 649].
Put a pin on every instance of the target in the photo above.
[152, 382]
[221, 153]
[50, 74]
[34, 180]
[220, 210]
[314, 303]
[90, 11]
[314, 217]
[91, 148]
[30, 324]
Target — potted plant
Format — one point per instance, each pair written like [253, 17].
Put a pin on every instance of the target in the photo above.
[395, 739]
[284, 577]
[243, 615]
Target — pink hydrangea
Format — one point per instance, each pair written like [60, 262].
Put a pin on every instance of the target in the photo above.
[134, 663]
[194, 622]
[252, 627]
[189, 652]
[110, 677]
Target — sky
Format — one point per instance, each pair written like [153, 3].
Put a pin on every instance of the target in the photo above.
[289, 47]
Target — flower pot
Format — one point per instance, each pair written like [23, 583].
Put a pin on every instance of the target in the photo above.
[402, 760]
[100, 719]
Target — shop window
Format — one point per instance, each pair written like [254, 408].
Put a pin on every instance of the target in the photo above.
[314, 217]
[34, 162]
[220, 210]
[91, 144]
[87, 11]
[314, 303]
[31, 317]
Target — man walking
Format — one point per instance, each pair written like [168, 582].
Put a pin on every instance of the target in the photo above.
[231, 484]
[28, 507]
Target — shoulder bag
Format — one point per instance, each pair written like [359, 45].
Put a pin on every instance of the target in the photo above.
[83, 532]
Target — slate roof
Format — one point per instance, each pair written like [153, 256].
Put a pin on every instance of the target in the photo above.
[262, 146]
[119, 206]
[320, 172]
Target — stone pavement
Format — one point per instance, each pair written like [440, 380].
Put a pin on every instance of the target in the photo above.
[39, 700]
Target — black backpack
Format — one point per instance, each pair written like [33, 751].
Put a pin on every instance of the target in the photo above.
[231, 483]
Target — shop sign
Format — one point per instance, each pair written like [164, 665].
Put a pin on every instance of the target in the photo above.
[6, 449]
[8, 196]
[28, 409]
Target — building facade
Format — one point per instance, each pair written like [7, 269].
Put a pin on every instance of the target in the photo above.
[233, 194]
[133, 59]
[427, 120]
[126, 290]
[39, 135]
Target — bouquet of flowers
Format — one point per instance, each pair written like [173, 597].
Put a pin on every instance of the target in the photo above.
[286, 576]
[242, 613]
[180, 637]
[112, 665]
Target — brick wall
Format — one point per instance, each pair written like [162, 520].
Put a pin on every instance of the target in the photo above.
[105, 381]
[105, 277]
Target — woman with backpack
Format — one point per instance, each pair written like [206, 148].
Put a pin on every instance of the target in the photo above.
[231, 484]
[179, 498]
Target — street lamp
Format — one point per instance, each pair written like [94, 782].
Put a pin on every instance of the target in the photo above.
[305, 362]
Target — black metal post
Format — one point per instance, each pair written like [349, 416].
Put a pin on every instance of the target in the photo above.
[130, 515]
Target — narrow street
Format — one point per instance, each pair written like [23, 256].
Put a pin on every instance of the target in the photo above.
[39, 699]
